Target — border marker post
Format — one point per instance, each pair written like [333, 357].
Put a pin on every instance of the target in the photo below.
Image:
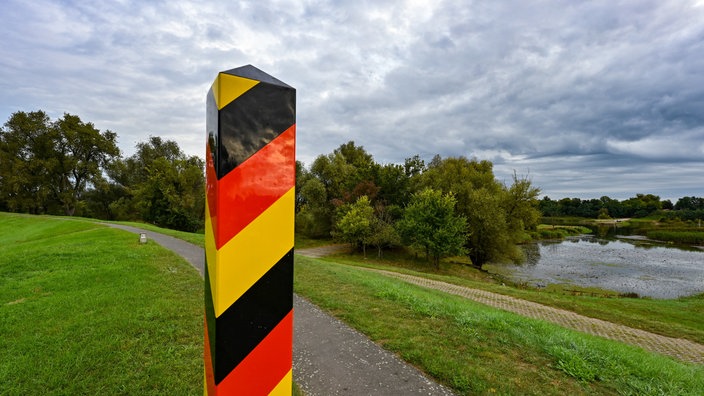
[249, 222]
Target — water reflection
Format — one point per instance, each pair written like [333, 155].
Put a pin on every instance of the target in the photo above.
[532, 253]
[631, 265]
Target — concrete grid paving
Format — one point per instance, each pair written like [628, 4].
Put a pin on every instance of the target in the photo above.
[684, 350]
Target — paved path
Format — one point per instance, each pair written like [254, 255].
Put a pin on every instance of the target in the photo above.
[682, 349]
[329, 357]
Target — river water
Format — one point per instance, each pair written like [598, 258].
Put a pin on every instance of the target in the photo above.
[622, 265]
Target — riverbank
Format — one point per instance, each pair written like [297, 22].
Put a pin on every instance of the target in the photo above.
[679, 318]
[464, 344]
[661, 229]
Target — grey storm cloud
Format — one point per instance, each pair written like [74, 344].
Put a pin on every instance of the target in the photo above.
[587, 98]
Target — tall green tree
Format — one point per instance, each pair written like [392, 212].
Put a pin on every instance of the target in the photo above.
[491, 238]
[521, 204]
[482, 200]
[81, 152]
[172, 196]
[394, 185]
[336, 174]
[52, 163]
[162, 185]
[430, 223]
[26, 144]
[346, 174]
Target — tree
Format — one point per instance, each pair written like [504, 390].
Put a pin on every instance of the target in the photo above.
[26, 144]
[482, 201]
[162, 185]
[81, 152]
[172, 195]
[383, 234]
[49, 165]
[491, 237]
[338, 176]
[314, 216]
[548, 207]
[302, 176]
[521, 204]
[413, 166]
[430, 222]
[394, 185]
[690, 203]
[642, 205]
[355, 226]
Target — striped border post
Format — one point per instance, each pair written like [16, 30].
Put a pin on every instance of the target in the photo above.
[251, 171]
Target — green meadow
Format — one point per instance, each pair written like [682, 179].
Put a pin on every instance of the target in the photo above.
[85, 309]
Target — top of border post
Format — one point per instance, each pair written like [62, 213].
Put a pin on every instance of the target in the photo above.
[252, 73]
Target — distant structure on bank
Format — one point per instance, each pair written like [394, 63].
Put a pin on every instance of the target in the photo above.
[251, 170]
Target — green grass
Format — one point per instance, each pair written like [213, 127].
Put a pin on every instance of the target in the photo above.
[545, 231]
[681, 237]
[85, 309]
[479, 350]
[680, 318]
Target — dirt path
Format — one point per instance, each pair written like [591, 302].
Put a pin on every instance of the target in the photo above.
[684, 350]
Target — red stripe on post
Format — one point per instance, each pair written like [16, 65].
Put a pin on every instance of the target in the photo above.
[273, 353]
[251, 188]
[211, 189]
[208, 361]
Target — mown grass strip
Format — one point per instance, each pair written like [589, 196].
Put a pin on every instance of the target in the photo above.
[478, 350]
[88, 310]
[679, 318]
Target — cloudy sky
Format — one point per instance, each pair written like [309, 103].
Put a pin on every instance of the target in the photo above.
[586, 98]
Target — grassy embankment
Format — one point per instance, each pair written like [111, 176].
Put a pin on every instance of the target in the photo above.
[479, 350]
[53, 345]
[654, 227]
[680, 318]
[85, 309]
[676, 236]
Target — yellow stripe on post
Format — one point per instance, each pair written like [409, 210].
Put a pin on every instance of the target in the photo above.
[229, 88]
[253, 251]
[284, 387]
[210, 250]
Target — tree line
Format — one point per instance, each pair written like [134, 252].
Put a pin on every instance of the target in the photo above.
[448, 206]
[642, 205]
[68, 167]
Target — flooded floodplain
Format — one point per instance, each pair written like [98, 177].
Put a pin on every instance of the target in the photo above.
[621, 265]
